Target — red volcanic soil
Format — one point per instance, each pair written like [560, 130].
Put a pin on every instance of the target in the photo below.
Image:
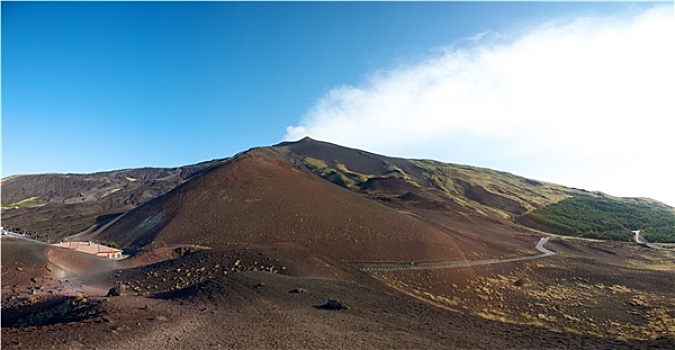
[23, 260]
[35, 268]
[254, 310]
[246, 297]
[246, 309]
[261, 200]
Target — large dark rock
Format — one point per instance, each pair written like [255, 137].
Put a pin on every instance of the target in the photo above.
[117, 291]
[333, 304]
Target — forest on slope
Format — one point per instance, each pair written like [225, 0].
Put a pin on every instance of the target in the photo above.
[603, 218]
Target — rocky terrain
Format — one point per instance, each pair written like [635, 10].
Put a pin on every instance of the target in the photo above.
[276, 297]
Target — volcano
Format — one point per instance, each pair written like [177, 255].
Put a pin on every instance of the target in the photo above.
[256, 250]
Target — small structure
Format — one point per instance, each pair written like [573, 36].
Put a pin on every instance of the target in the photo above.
[99, 250]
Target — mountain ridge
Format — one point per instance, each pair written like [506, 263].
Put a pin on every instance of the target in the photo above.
[276, 231]
[422, 187]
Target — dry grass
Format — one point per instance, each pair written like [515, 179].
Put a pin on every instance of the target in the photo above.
[568, 294]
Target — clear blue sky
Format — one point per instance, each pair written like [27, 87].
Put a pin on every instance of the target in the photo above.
[100, 86]
[93, 86]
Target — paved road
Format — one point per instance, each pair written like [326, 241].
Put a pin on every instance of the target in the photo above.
[647, 244]
[427, 265]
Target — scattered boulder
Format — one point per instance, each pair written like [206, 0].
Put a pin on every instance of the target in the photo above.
[333, 304]
[117, 291]
[298, 290]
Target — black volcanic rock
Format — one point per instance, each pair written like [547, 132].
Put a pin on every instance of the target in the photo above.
[117, 291]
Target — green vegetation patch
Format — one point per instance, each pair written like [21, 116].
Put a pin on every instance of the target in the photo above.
[113, 245]
[357, 178]
[317, 165]
[25, 203]
[603, 218]
[341, 176]
[321, 168]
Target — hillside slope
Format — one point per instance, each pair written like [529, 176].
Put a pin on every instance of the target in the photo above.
[485, 191]
[255, 199]
[432, 188]
[453, 198]
[54, 206]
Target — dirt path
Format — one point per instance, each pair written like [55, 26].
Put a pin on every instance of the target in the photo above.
[427, 265]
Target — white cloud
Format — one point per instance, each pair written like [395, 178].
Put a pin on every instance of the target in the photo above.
[587, 103]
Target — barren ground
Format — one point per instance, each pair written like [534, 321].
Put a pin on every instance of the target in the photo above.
[604, 289]
[242, 297]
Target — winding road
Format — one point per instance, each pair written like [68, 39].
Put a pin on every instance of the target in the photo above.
[428, 265]
[647, 244]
